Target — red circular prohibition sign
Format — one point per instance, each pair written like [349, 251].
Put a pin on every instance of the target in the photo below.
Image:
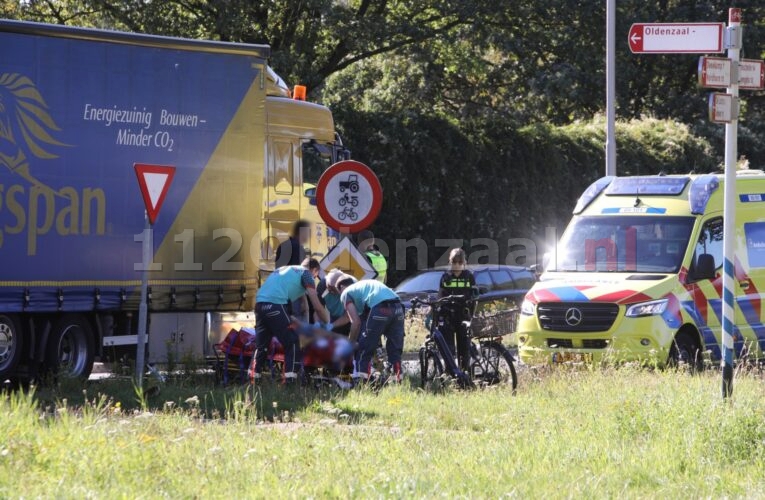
[336, 172]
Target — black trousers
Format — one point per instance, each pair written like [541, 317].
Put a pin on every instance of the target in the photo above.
[456, 337]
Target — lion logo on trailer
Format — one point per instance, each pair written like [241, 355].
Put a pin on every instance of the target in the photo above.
[26, 127]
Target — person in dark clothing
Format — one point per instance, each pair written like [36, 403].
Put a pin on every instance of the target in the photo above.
[458, 281]
[291, 252]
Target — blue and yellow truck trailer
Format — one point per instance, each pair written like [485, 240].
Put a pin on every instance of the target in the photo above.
[637, 275]
[80, 107]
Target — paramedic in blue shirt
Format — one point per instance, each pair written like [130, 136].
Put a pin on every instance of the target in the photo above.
[374, 310]
[330, 298]
[287, 284]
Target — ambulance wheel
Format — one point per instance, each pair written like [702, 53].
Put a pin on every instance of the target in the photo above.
[11, 346]
[685, 351]
[71, 349]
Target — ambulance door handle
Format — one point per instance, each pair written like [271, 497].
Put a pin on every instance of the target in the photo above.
[744, 284]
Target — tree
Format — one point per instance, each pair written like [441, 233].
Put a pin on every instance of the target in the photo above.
[310, 39]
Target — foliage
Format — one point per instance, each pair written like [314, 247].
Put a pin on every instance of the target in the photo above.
[482, 119]
[625, 433]
[492, 179]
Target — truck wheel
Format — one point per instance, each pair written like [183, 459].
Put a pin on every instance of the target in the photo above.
[11, 345]
[685, 350]
[71, 350]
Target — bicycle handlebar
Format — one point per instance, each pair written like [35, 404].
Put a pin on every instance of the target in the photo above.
[449, 299]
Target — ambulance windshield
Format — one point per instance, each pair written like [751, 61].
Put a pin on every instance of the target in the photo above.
[623, 243]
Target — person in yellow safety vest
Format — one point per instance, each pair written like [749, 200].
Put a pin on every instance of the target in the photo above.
[457, 280]
[372, 253]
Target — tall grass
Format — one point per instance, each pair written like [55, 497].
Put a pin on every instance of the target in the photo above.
[631, 433]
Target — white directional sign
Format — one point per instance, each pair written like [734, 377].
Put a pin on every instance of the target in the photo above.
[661, 38]
[722, 108]
[714, 72]
[751, 74]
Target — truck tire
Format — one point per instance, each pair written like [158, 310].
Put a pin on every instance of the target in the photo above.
[71, 348]
[11, 345]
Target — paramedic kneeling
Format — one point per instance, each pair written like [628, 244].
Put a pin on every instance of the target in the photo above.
[285, 285]
[374, 310]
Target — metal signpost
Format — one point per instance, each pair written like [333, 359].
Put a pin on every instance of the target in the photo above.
[610, 87]
[154, 181]
[732, 74]
[729, 205]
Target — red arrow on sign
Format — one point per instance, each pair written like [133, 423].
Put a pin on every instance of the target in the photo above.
[154, 181]
[635, 38]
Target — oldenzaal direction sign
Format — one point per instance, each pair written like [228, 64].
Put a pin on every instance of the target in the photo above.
[677, 38]
[349, 196]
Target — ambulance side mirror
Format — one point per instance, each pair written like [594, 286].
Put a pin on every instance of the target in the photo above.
[705, 267]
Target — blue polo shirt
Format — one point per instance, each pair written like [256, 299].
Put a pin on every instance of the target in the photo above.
[285, 285]
[367, 293]
[330, 300]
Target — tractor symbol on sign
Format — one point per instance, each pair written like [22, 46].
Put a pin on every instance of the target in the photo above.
[351, 183]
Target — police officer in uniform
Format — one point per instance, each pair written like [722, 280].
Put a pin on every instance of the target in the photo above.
[373, 255]
[457, 280]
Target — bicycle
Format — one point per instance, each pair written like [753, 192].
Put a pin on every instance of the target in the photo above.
[491, 363]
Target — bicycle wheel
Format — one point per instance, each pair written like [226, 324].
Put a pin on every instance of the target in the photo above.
[495, 365]
[431, 367]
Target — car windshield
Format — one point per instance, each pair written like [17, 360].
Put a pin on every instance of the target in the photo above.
[427, 281]
[641, 244]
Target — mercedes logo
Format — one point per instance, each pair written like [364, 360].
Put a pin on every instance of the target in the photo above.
[573, 316]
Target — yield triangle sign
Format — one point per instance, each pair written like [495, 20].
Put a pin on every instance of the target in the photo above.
[154, 180]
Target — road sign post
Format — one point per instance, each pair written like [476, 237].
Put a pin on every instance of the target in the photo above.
[154, 181]
[610, 87]
[733, 74]
[729, 209]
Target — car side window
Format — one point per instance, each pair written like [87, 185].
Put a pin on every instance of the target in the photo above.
[524, 280]
[428, 281]
[710, 242]
[482, 279]
[502, 280]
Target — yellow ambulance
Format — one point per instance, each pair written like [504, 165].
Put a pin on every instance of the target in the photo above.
[637, 274]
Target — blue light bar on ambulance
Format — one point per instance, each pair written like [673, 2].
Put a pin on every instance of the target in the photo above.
[701, 190]
[653, 185]
[592, 192]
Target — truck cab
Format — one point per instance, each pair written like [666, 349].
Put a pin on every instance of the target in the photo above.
[637, 274]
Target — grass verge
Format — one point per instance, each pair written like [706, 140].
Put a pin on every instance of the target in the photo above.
[626, 432]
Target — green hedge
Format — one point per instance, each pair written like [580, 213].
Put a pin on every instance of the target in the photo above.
[492, 179]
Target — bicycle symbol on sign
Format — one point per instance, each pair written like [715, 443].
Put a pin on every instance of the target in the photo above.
[347, 212]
